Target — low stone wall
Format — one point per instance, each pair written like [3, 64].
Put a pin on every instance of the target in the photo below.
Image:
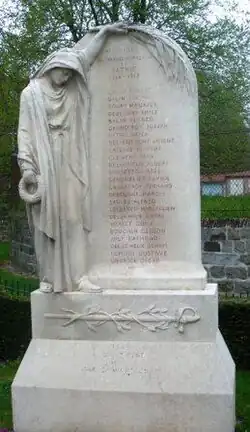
[226, 255]
[22, 248]
[4, 229]
[225, 252]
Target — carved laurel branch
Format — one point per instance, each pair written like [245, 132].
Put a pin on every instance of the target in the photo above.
[151, 319]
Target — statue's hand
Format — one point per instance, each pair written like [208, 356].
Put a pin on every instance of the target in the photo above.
[29, 178]
[117, 28]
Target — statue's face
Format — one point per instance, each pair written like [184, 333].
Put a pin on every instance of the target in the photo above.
[60, 76]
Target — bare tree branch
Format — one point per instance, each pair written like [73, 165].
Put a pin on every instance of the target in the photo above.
[94, 12]
[82, 18]
[106, 9]
[115, 10]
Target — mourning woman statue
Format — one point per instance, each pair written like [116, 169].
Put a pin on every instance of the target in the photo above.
[53, 158]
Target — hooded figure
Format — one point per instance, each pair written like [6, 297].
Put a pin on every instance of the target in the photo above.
[53, 145]
[53, 155]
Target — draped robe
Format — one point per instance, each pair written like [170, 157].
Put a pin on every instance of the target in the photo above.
[53, 143]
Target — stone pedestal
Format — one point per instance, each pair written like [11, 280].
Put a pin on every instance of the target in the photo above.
[125, 361]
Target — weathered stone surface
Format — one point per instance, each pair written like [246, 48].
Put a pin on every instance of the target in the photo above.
[245, 259]
[217, 258]
[22, 249]
[226, 285]
[233, 233]
[239, 246]
[236, 272]
[207, 268]
[217, 272]
[248, 245]
[244, 233]
[124, 221]
[227, 246]
[4, 229]
[125, 386]
[32, 268]
[212, 246]
[220, 236]
[28, 249]
[242, 286]
[205, 233]
[48, 315]
[218, 232]
[136, 235]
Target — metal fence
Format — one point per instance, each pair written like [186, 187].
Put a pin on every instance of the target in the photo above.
[5, 185]
[232, 295]
[9, 178]
[225, 185]
[17, 287]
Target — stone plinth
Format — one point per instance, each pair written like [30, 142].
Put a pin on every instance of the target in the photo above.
[125, 361]
[148, 315]
[103, 386]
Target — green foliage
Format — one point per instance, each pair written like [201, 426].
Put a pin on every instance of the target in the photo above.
[17, 286]
[234, 321]
[5, 403]
[14, 285]
[218, 49]
[15, 319]
[243, 400]
[222, 208]
[7, 373]
[224, 139]
[4, 252]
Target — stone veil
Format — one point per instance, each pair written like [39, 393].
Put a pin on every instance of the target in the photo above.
[53, 143]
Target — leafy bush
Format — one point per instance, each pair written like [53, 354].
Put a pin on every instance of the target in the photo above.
[4, 251]
[234, 319]
[15, 319]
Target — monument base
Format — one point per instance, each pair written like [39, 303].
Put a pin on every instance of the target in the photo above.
[136, 315]
[124, 386]
[164, 275]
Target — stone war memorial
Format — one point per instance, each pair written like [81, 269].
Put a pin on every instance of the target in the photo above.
[124, 325]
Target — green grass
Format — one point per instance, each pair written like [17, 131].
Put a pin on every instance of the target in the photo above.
[243, 400]
[7, 373]
[218, 208]
[16, 286]
[14, 277]
[4, 252]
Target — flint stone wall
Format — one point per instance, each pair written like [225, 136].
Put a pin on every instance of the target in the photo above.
[22, 248]
[225, 253]
[4, 229]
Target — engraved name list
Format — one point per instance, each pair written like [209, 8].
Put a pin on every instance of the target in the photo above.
[138, 179]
